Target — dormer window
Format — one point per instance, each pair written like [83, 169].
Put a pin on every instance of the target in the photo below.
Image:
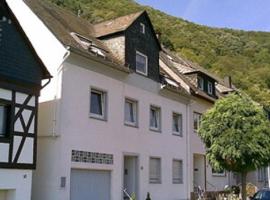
[200, 83]
[142, 28]
[141, 63]
[209, 88]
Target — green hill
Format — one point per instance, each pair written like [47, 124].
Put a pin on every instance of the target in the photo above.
[245, 56]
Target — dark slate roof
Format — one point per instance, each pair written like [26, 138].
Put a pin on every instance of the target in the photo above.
[63, 23]
[45, 73]
[184, 67]
[115, 25]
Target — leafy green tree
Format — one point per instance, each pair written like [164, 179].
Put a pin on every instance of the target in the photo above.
[236, 133]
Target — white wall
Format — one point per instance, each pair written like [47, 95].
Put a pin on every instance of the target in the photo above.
[79, 132]
[16, 184]
[197, 147]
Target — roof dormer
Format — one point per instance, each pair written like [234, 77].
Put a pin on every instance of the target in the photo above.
[133, 40]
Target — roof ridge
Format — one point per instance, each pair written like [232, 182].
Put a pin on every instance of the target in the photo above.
[122, 16]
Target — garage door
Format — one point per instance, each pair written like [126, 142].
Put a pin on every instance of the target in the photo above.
[90, 185]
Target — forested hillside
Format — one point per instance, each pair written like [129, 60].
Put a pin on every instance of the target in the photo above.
[243, 55]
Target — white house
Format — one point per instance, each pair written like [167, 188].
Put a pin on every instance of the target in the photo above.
[21, 73]
[205, 89]
[113, 122]
[121, 112]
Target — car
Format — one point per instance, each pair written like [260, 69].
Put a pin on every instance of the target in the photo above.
[263, 194]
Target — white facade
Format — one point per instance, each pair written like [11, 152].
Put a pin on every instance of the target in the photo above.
[65, 125]
[202, 175]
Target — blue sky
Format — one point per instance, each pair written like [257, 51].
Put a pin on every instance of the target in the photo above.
[238, 14]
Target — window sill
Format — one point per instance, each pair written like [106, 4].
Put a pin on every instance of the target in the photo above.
[101, 118]
[154, 182]
[131, 125]
[177, 134]
[4, 139]
[219, 175]
[141, 73]
[178, 182]
[155, 130]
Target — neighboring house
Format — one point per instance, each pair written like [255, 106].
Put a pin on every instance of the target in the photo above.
[205, 89]
[113, 122]
[21, 73]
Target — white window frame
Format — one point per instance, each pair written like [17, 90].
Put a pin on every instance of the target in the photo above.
[103, 104]
[180, 124]
[146, 63]
[158, 180]
[198, 116]
[262, 174]
[201, 81]
[135, 112]
[158, 110]
[223, 173]
[210, 87]
[181, 180]
[142, 28]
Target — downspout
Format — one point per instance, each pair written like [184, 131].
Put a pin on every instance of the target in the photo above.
[59, 69]
[189, 168]
[49, 80]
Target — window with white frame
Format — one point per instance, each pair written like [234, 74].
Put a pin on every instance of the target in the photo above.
[142, 28]
[177, 171]
[262, 174]
[131, 112]
[98, 104]
[155, 118]
[210, 88]
[154, 170]
[177, 124]
[200, 82]
[196, 120]
[141, 63]
[4, 119]
[218, 172]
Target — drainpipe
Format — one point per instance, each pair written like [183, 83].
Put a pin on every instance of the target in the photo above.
[188, 152]
[59, 69]
[268, 175]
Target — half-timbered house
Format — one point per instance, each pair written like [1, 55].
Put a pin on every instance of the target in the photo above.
[21, 74]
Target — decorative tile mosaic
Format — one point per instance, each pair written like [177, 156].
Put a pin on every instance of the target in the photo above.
[91, 157]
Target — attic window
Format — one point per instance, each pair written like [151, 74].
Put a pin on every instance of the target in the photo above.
[89, 45]
[200, 83]
[142, 28]
[210, 88]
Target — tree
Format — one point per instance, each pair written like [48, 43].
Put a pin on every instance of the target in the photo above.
[236, 133]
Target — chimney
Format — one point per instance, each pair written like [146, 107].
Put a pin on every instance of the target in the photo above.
[228, 81]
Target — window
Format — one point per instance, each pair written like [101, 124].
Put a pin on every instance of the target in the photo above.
[262, 174]
[4, 120]
[218, 172]
[155, 170]
[97, 104]
[155, 118]
[141, 63]
[177, 124]
[210, 88]
[131, 112]
[200, 82]
[177, 171]
[196, 120]
[142, 28]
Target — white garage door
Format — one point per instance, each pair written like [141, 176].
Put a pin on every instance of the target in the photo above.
[90, 185]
